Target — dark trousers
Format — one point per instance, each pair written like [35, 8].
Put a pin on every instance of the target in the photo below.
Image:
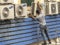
[44, 33]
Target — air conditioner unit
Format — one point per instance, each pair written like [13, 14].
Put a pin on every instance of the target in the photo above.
[6, 1]
[46, 8]
[6, 12]
[33, 8]
[21, 10]
[59, 7]
[53, 8]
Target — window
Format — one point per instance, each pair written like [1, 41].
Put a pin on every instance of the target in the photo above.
[27, 1]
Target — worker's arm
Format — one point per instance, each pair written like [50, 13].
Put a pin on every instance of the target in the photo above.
[39, 6]
[31, 16]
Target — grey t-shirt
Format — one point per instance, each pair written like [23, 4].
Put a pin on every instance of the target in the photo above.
[41, 18]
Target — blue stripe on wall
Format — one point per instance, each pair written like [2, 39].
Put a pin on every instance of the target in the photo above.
[24, 31]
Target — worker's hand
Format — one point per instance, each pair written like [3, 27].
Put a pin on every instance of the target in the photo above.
[30, 15]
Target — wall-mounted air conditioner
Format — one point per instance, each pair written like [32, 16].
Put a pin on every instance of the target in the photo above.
[6, 12]
[21, 10]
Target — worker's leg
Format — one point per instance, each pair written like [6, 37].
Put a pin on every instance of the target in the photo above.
[45, 30]
[43, 35]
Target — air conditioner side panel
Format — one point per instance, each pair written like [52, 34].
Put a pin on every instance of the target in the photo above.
[47, 8]
[34, 8]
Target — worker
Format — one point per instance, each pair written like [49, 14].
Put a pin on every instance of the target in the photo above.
[42, 22]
